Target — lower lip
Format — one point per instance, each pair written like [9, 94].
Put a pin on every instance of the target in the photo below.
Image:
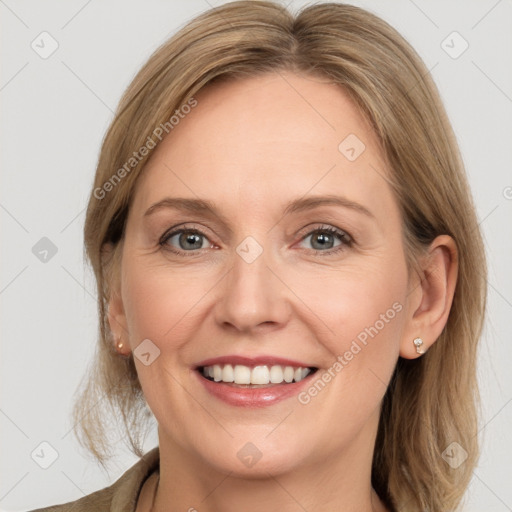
[252, 397]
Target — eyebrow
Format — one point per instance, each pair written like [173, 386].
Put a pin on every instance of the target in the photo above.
[205, 207]
[308, 203]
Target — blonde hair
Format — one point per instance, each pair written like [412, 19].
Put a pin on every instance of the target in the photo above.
[431, 401]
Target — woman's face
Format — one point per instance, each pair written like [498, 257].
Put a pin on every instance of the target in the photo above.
[263, 235]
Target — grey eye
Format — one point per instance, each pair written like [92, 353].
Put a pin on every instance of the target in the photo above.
[188, 240]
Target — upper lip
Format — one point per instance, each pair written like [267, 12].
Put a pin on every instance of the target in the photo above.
[261, 360]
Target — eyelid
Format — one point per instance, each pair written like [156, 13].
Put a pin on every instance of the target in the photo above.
[185, 226]
[308, 230]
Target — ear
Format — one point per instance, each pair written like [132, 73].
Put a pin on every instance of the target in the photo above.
[431, 297]
[116, 314]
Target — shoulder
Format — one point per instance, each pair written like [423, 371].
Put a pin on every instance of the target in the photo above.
[121, 496]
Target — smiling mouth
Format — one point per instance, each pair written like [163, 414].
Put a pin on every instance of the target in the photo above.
[254, 376]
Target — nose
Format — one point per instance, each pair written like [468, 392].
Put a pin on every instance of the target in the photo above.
[252, 297]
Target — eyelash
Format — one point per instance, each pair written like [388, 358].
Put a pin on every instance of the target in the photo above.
[345, 239]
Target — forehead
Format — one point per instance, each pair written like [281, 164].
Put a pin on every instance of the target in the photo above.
[264, 139]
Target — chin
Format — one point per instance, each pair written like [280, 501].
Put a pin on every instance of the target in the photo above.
[256, 454]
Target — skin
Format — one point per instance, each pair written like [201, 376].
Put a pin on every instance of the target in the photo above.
[250, 147]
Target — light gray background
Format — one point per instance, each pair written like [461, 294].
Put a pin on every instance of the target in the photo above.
[54, 114]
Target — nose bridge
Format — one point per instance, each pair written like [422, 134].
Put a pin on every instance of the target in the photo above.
[251, 295]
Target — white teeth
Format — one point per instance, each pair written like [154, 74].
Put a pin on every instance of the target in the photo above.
[276, 375]
[288, 374]
[228, 374]
[242, 374]
[217, 373]
[260, 375]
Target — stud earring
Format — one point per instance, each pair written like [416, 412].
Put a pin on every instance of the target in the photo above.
[418, 342]
[120, 344]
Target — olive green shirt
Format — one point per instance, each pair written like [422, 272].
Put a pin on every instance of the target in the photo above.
[121, 496]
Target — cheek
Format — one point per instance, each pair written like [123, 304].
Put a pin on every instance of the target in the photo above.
[364, 312]
[160, 301]
[162, 304]
[361, 309]
[356, 314]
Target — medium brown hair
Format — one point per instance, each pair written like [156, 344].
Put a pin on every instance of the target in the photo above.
[431, 401]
